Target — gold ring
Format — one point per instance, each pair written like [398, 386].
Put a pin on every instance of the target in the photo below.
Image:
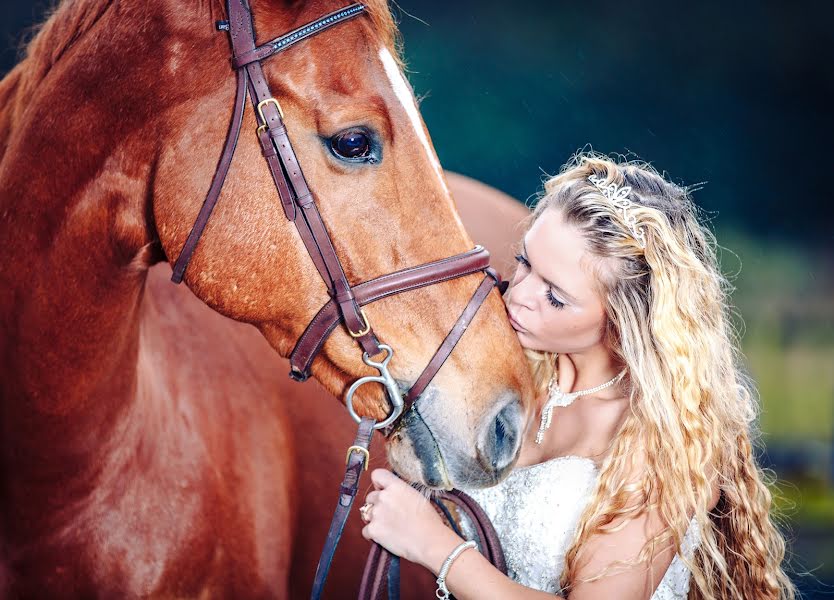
[365, 512]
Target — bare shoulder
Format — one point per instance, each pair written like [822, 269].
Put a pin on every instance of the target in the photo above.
[616, 562]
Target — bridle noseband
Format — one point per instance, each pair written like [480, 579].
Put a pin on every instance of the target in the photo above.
[346, 300]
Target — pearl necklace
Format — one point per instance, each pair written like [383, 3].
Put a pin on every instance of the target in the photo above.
[559, 398]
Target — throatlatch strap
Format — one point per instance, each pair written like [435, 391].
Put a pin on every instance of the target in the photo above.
[216, 183]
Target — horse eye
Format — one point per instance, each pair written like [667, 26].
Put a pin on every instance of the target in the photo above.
[353, 143]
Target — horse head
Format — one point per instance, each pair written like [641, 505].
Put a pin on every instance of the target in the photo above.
[355, 126]
[137, 99]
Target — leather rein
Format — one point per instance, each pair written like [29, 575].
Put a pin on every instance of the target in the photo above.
[346, 300]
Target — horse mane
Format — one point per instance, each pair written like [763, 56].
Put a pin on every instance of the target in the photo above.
[67, 23]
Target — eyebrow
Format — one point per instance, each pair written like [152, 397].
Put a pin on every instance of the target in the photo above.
[547, 281]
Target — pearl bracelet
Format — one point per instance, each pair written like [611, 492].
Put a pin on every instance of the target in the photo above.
[442, 592]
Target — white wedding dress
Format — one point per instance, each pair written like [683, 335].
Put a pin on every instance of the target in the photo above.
[535, 512]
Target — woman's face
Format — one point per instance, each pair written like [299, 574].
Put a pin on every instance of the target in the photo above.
[553, 302]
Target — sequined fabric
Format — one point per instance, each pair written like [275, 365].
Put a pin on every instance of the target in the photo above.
[535, 512]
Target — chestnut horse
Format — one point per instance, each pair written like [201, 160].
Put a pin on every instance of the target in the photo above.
[145, 450]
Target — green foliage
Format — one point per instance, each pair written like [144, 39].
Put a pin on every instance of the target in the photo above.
[785, 312]
[784, 302]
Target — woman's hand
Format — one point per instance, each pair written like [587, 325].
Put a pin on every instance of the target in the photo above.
[405, 522]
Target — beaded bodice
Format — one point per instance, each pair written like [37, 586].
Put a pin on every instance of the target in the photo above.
[535, 512]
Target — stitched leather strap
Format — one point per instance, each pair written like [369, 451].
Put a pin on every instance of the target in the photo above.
[270, 153]
[490, 281]
[375, 573]
[323, 324]
[296, 35]
[452, 338]
[216, 183]
[356, 463]
[394, 578]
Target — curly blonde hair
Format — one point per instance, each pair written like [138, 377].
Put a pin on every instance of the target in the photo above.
[691, 408]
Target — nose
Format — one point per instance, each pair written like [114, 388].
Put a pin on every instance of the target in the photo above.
[502, 438]
[521, 293]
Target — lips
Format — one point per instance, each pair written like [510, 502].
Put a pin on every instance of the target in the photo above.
[516, 325]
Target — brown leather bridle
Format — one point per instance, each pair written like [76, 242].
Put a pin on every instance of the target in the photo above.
[346, 300]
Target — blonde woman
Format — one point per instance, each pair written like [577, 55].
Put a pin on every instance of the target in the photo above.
[636, 477]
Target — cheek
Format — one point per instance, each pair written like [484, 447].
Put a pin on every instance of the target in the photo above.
[572, 330]
[518, 275]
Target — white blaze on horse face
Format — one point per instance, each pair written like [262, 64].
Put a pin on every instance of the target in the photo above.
[409, 103]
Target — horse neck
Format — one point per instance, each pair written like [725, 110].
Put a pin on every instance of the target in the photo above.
[70, 355]
[74, 187]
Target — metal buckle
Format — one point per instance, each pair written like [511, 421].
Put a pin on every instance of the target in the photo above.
[365, 459]
[395, 397]
[261, 105]
[367, 328]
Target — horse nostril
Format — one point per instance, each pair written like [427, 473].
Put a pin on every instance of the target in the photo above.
[499, 432]
[504, 436]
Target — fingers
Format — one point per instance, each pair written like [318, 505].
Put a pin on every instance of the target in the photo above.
[382, 478]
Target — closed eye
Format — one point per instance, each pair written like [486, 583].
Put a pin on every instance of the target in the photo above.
[554, 301]
[522, 260]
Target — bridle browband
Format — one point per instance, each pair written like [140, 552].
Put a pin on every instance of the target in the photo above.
[346, 300]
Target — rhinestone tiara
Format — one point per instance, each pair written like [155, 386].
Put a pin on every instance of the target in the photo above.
[618, 195]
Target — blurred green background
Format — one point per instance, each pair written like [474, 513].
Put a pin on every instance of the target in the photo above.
[735, 97]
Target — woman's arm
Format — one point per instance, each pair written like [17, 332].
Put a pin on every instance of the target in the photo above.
[405, 523]
[604, 550]
[473, 577]
[622, 544]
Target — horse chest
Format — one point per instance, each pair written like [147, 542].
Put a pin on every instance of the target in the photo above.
[191, 499]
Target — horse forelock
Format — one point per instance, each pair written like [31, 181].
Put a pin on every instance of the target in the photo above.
[385, 27]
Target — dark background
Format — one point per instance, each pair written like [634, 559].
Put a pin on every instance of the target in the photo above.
[735, 97]
[738, 97]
